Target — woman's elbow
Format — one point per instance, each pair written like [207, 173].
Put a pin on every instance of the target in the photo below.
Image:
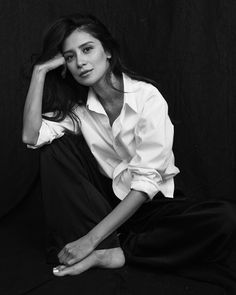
[30, 139]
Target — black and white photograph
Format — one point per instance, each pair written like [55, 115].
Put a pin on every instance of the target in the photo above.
[118, 147]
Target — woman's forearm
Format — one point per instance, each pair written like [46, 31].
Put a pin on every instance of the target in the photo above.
[122, 212]
[32, 118]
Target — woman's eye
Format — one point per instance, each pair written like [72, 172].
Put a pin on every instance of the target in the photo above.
[87, 49]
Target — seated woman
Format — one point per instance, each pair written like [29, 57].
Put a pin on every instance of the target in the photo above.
[107, 165]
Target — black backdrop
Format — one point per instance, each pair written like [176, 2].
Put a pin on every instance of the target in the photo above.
[187, 46]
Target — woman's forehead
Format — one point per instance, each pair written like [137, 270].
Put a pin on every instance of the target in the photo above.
[77, 38]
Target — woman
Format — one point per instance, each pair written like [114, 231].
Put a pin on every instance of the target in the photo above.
[124, 121]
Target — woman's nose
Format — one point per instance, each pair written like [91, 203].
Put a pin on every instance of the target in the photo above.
[80, 62]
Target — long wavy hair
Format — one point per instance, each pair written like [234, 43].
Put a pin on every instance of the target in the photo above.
[62, 93]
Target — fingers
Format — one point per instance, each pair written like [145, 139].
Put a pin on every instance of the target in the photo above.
[53, 63]
[59, 57]
[68, 255]
[72, 261]
[62, 253]
[77, 268]
[57, 61]
[75, 251]
[64, 257]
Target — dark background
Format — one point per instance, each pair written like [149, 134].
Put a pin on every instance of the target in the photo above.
[186, 46]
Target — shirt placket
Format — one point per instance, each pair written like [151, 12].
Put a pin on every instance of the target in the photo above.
[103, 118]
[116, 128]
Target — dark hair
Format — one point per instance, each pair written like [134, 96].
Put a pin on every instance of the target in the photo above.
[62, 94]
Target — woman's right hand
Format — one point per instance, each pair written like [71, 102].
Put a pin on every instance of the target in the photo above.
[33, 106]
[51, 64]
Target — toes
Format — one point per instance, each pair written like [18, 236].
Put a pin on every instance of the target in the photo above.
[58, 270]
[112, 258]
[70, 270]
[76, 268]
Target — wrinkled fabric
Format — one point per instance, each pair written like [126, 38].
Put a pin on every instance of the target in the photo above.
[121, 149]
[164, 234]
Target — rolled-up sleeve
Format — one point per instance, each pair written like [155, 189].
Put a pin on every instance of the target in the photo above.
[153, 162]
[51, 130]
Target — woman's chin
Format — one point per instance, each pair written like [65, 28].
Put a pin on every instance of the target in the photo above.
[85, 81]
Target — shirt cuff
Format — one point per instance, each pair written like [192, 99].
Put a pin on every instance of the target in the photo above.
[46, 136]
[145, 186]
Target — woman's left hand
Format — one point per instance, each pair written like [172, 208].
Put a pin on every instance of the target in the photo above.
[76, 251]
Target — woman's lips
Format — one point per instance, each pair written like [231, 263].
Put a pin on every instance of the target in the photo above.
[85, 73]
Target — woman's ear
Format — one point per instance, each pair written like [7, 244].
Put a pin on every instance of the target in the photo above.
[108, 55]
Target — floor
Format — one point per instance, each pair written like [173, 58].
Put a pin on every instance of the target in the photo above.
[24, 271]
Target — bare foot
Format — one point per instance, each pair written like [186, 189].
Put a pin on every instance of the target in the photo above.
[107, 258]
[110, 258]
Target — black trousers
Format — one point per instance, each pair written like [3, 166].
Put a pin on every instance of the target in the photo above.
[164, 233]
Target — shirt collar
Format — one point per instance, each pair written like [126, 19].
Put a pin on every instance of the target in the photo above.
[130, 87]
[93, 104]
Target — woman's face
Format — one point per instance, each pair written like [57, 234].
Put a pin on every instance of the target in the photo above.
[85, 58]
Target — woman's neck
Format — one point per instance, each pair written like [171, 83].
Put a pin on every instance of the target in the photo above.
[106, 93]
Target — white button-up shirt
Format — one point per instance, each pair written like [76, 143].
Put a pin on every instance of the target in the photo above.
[136, 151]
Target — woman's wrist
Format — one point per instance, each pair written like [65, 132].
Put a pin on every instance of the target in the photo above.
[94, 238]
[40, 71]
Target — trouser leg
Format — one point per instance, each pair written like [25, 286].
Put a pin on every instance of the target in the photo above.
[168, 233]
[74, 196]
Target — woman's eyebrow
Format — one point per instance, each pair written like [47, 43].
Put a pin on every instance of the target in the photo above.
[82, 45]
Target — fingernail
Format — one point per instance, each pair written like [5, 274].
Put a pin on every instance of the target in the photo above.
[55, 269]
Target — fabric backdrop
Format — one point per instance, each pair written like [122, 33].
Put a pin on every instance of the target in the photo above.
[186, 46]
[189, 48]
